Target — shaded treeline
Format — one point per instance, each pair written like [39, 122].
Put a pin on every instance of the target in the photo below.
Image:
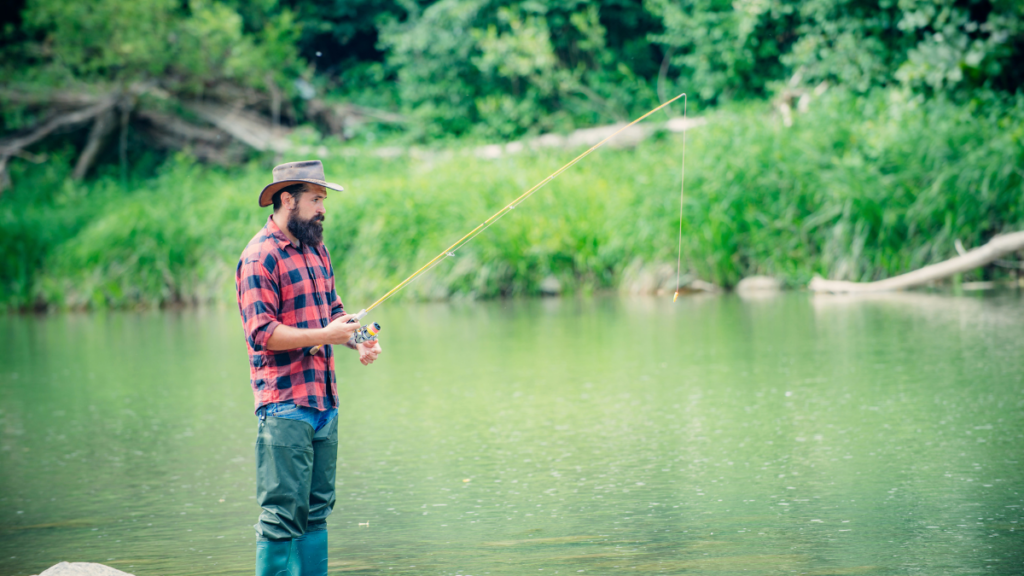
[118, 78]
[859, 187]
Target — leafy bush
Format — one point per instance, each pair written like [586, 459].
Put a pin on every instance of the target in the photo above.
[65, 43]
[857, 188]
[495, 69]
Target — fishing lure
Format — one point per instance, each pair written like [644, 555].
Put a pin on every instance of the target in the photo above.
[450, 251]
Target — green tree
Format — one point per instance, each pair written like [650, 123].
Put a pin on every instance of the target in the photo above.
[739, 49]
[186, 49]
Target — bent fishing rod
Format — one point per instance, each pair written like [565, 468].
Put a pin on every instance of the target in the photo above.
[369, 333]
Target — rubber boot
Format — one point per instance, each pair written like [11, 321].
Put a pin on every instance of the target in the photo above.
[309, 556]
[272, 558]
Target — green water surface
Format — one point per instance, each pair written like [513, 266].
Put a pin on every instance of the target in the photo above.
[607, 436]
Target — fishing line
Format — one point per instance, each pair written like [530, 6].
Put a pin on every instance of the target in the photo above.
[511, 206]
[450, 251]
[682, 192]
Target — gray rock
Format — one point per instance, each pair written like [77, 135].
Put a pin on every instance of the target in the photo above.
[550, 286]
[759, 284]
[82, 569]
[703, 286]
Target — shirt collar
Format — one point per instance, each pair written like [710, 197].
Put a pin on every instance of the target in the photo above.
[275, 231]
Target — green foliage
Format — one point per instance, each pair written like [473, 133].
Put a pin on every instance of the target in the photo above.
[920, 144]
[504, 69]
[956, 48]
[494, 69]
[736, 49]
[857, 188]
[116, 41]
[105, 38]
[724, 48]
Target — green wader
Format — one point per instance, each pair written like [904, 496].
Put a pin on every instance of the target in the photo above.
[295, 474]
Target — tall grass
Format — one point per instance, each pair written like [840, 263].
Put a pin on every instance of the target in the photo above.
[856, 189]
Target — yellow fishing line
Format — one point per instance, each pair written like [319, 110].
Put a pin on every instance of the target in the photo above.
[511, 205]
[682, 192]
[449, 251]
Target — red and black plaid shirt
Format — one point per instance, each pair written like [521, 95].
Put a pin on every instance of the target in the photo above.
[278, 283]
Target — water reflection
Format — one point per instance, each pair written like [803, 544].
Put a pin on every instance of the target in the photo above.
[820, 435]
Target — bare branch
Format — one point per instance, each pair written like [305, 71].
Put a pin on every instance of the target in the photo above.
[11, 146]
[50, 98]
[33, 158]
[5, 177]
[63, 99]
[101, 128]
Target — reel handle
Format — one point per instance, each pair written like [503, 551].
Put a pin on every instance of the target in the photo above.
[364, 334]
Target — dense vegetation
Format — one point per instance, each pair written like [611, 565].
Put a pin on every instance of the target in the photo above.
[503, 68]
[858, 188]
[145, 199]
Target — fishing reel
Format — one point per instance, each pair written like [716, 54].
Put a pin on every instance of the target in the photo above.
[366, 333]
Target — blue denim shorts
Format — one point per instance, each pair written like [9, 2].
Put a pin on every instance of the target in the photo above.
[291, 411]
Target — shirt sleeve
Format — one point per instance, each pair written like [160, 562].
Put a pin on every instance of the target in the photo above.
[259, 300]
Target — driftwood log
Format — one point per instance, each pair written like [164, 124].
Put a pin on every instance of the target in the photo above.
[221, 128]
[995, 249]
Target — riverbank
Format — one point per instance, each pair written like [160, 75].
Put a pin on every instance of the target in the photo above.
[856, 189]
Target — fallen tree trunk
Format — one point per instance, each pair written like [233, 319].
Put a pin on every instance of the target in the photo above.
[995, 249]
[183, 131]
[245, 126]
[51, 99]
[235, 126]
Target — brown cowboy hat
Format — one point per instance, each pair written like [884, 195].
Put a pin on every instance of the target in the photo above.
[310, 171]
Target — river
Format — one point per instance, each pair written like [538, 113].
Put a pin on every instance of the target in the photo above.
[604, 436]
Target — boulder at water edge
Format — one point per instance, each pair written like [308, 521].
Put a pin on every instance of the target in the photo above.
[82, 569]
[760, 284]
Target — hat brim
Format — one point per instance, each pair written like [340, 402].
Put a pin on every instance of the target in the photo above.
[267, 195]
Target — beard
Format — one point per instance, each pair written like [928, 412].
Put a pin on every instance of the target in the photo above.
[307, 231]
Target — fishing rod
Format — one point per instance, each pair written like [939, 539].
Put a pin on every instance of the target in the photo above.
[369, 333]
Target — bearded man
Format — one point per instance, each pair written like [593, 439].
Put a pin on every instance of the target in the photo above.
[285, 288]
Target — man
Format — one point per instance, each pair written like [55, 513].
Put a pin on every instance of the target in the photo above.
[285, 287]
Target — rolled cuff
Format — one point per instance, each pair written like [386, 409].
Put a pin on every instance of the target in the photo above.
[264, 333]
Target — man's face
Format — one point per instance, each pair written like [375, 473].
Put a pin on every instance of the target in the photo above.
[306, 216]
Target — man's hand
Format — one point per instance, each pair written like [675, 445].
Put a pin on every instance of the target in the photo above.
[340, 331]
[368, 351]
